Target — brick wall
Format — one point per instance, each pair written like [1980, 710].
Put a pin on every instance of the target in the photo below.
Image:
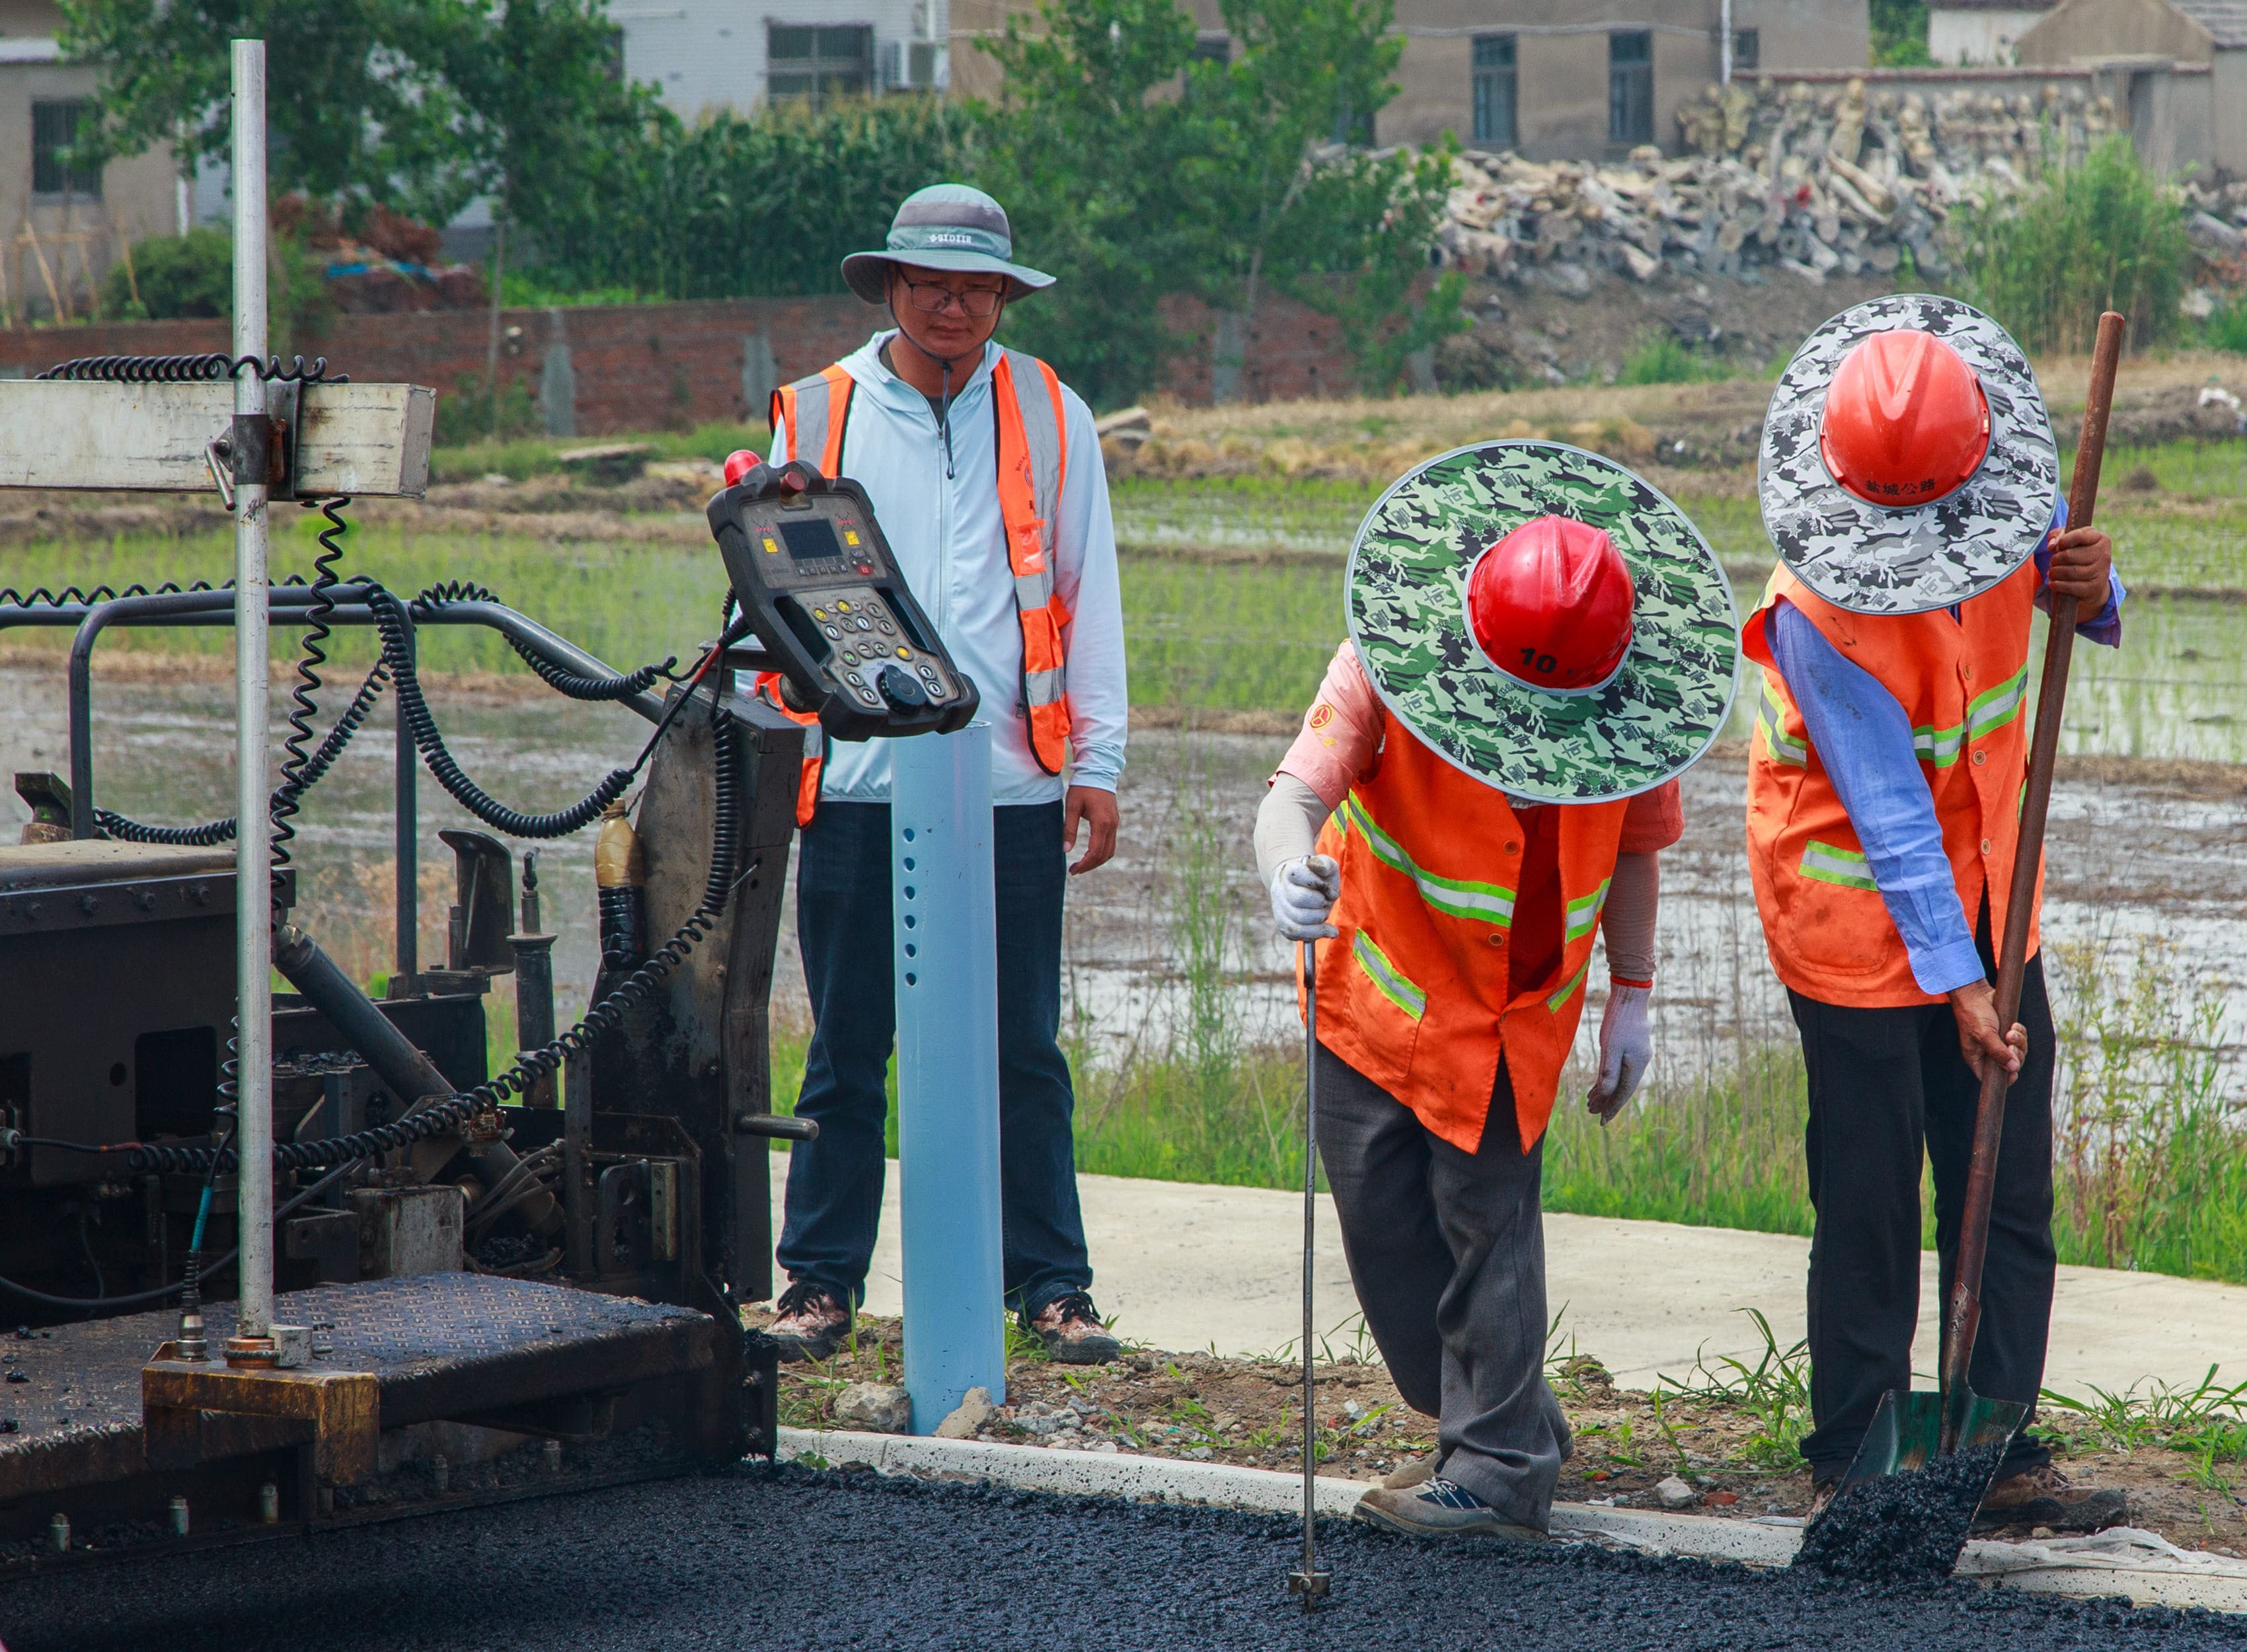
[598, 369]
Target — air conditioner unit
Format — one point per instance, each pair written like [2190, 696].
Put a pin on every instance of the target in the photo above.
[910, 65]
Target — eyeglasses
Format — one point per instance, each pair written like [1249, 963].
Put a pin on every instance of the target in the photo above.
[930, 297]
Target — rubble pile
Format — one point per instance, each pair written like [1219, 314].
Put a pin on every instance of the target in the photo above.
[1789, 176]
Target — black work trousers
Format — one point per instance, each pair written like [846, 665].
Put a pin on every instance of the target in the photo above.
[1885, 1085]
[1446, 1250]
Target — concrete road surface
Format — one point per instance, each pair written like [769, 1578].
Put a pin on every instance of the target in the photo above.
[1183, 1266]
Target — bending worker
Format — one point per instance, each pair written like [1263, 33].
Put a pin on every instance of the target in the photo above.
[986, 474]
[1539, 644]
[1910, 483]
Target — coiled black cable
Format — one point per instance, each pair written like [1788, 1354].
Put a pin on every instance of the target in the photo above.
[529, 1067]
[304, 705]
[203, 369]
[569, 684]
[390, 620]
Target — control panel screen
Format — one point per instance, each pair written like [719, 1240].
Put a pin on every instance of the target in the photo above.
[811, 540]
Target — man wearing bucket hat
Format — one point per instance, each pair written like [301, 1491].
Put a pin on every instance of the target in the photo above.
[987, 475]
[1909, 481]
[1539, 644]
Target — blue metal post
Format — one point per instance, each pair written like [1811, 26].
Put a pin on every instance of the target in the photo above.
[946, 957]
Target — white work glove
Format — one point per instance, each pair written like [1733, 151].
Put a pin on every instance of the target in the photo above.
[1626, 1050]
[1303, 892]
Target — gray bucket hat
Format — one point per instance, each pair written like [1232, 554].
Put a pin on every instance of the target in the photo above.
[946, 226]
[1872, 559]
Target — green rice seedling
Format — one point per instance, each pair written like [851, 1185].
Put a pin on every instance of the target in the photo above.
[1775, 1391]
[1661, 358]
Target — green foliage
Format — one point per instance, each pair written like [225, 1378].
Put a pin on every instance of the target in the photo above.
[2152, 1159]
[2102, 234]
[2226, 329]
[1900, 34]
[1775, 1391]
[467, 414]
[1086, 153]
[1660, 359]
[177, 275]
[420, 105]
[730, 205]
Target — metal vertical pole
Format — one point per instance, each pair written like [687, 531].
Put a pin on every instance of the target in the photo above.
[946, 952]
[253, 934]
[1724, 42]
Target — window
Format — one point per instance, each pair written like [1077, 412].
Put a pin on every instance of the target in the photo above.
[1747, 50]
[1630, 86]
[816, 65]
[1214, 48]
[55, 127]
[1494, 87]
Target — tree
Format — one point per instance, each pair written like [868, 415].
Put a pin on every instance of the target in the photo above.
[419, 105]
[1087, 151]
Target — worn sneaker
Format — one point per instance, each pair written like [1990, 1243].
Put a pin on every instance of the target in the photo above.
[1439, 1507]
[2042, 1496]
[1418, 1471]
[1072, 1332]
[809, 1322]
[1822, 1494]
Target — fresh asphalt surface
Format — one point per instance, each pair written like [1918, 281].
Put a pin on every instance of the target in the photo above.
[788, 1559]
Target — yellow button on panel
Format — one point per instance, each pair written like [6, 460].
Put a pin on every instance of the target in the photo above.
[849, 538]
[904, 652]
[819, 613]
[772, 546]
[842, 608]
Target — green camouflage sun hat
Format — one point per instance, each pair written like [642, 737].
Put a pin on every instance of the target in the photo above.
[1407, 607]
[946, 226]
[1877, 559]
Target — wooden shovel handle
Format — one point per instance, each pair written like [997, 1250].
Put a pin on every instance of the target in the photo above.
[1965, 1314]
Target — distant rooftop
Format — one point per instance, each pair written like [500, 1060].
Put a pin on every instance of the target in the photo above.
[2225, 19]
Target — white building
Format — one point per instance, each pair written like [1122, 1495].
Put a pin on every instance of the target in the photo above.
[1967, 33]
[715, 54]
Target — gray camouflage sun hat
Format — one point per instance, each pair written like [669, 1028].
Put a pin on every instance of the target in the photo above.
[1407, 606]
[946, 226]
[1875, 559]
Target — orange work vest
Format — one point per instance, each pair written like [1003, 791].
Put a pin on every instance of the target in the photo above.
[1964, 683]
[1033, 457]
[1414, 992]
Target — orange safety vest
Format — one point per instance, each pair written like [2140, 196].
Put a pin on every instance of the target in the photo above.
[1964, 684]
[1414, 992]
[1033, 457]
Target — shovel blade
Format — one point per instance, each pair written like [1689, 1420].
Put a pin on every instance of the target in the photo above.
[1904, 1509]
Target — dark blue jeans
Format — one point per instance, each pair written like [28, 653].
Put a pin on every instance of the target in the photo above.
[843, 925]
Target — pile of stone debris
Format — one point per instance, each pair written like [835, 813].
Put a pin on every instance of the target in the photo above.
[1790, 176]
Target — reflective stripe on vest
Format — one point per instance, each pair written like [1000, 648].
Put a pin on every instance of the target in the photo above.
[815, 745]
[1418, 994]
[1962, 681]
[1388, 980]
[1033, 445]
[1453, 897]
[816, 411]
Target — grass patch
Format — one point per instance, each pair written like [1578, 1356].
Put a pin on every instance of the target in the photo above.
[1660, 359]
[520, 458]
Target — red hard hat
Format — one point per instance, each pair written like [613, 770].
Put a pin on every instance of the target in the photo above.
[1550, 606]
[1906, 420]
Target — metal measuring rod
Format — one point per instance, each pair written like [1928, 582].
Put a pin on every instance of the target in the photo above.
[1310, 1581]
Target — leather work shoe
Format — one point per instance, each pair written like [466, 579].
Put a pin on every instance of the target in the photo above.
[809, 1322]
[1440, 1508]
[2042, 1496]
[1070, 1327]
[1418, 1471]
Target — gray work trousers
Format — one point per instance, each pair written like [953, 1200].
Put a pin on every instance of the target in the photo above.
[1446, 1251]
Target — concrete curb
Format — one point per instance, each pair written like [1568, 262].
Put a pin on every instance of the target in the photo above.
[2150, 1572]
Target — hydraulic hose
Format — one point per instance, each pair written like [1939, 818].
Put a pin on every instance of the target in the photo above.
[529, 1067]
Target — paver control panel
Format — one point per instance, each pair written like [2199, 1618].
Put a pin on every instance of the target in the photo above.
[815, 577]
